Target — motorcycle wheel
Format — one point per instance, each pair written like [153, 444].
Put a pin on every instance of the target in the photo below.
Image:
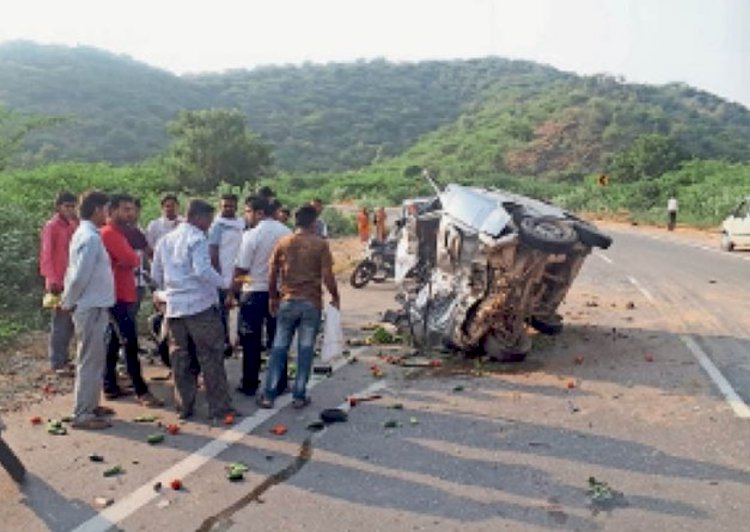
[362, 274]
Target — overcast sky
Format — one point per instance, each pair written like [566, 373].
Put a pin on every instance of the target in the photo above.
[705, 43]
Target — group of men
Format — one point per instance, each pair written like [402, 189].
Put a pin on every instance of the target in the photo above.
[96, 267]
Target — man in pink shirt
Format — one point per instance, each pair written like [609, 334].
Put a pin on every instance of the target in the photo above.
[53, 261]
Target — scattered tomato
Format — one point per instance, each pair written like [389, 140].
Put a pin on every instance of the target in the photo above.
[579, 360]
[279, 430]
[176, 484]
[173, 429]
[229, 419]
[570, 384]
[36, 420]
[649, 357]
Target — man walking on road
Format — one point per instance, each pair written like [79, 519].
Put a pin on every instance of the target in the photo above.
[89, 293]
[299, 264]
[53, 261]
[125, 261]
[167, 222]
[252, 262]
[224, 239]
[182, 267]
[672, 212]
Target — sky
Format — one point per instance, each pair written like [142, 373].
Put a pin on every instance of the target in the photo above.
[705, 43]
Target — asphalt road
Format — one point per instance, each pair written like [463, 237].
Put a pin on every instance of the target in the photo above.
[626, 394]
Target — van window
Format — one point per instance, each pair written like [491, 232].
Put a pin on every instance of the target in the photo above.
[742, 210]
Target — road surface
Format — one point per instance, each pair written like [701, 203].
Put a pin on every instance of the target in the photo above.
[647, 390]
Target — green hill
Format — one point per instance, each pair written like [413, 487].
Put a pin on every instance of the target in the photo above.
[470, 119]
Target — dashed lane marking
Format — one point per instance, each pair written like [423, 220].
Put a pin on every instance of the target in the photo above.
[643, 290]
[604, 258]
[741, 409]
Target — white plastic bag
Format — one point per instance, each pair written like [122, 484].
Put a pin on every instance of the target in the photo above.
[333, 335]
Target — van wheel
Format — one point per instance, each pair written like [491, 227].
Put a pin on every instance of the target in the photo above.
[726, 242]
[547, 234]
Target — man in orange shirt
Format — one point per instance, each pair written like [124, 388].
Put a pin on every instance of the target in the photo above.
[363, 225]
[124, 262]
[53, 261]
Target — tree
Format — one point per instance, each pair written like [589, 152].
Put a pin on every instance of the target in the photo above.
[648, 157]
[215, 146]
[14, 128]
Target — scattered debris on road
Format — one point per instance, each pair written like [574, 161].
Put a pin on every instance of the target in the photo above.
[103, 502]
[175, 484]
[147, 418]
[279, 430]
[96, 458]
[236, 471]
[55, 427]
[155, 438]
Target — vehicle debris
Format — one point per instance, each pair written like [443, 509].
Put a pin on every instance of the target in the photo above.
[103, 502]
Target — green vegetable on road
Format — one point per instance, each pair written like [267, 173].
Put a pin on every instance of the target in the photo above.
[153, 439]
[112, 471]
[236, 471]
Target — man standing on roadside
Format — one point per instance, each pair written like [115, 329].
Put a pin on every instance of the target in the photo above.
[88, 294]
[53, 261]
[672, 212]
[299, 264]
[321, 228]
[125, 261]
[182, 268]
[252, 262]
[167, 222]
[224, 239]
[381, 227]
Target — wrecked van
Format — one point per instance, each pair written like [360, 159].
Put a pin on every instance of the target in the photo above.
[478, 266]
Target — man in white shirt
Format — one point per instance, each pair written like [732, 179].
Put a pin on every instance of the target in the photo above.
[672, 212]
[167, 222]
[252, 263]
[224, 239]
[89, 292]
[182, 268]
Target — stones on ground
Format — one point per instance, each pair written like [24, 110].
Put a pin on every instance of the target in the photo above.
[458, 388]
[630, 305]
[157, 487]
[96, 458]
[391, 424]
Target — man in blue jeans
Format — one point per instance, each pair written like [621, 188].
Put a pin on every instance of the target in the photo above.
[299, 265]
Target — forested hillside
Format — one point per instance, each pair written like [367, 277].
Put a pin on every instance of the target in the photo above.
[467, 119]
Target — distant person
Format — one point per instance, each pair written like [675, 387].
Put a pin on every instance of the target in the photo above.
[124, 261]
[363, 225]
[137, 239]
[53, 261]
[672, 207]
[321, 228]
[266, 193]
[224, 239]
[252, 263]
[89, 294]
[380, 224]
[182, 268]
[167, 222]
[299, 264]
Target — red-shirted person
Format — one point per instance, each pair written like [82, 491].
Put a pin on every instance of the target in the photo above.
[124, 261]
[53, 261]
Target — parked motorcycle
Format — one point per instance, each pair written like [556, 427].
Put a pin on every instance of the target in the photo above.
[378, 265]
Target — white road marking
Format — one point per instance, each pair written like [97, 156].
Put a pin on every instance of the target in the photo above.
[741, 409]
[604, 258]
[679, 242]
[642, 289]
[131, 503]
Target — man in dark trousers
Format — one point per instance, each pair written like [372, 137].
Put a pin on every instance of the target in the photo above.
[252, 271]
[182, 268]
[300, 264]
[125, 261]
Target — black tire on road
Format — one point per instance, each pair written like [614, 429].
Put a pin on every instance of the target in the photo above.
[547, 234]
[591, 236]
[363, 274]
